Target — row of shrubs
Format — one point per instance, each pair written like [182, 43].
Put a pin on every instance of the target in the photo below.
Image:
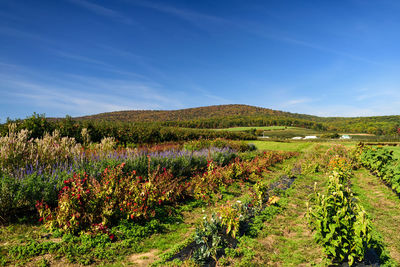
[124, 132]
[19, 151]
[381, 162]
[340, 223]
[220, 232]
[19, 193]
[318, 159]
[93, 204]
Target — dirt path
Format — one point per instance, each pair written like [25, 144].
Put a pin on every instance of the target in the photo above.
[287, 239]
[383, 207]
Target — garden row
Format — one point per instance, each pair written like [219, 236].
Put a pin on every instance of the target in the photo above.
[222, 236]
[91, 204]
[381, 162]
[340, 222]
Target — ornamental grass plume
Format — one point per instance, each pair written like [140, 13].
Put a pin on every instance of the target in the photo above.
[17, 150]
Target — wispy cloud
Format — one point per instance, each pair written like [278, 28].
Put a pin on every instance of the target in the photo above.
[97, 64]
[275, 35]
[375, 94]
[344, 111]
[80, 95]
[102, 11]
[326, 49]
[191, 16]
[80, 58]
[298, 101]
[23, 34]
[73, 101]
[207, 94]
[142, 61]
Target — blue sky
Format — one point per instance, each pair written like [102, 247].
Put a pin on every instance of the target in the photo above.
[79, 57]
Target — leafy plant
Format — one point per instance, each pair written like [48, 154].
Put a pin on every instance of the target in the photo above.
[380, 161]
[87, 204]
[210, 239]
[340, 223]
[260, 192]
[230, 217]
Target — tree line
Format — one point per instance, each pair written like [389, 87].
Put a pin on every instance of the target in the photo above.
[125, 133]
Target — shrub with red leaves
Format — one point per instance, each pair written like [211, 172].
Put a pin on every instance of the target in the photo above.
[90, 205]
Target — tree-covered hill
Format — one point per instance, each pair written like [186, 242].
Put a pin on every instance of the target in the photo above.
[216, 111]
[210, 117]
[223, 116]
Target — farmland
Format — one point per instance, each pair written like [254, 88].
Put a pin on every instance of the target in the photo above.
[195, 202]
[92, 192]
[199, 133]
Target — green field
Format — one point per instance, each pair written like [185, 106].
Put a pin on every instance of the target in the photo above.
[276, 132]
[282, 146]
[299, 146]
[265, 128]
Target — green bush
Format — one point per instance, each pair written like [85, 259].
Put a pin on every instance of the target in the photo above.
[18, 196]
[380, 161]
[340, 223]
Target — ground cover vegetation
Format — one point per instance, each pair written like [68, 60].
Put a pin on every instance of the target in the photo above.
[381, 203]
[92, 199]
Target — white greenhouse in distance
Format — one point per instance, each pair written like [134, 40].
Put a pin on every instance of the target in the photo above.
[297, 138]
[345, 136]
[310, 137]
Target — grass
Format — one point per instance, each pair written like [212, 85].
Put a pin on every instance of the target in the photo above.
[299, 146]
[282, 146]
[278, 132]
[287, 240]
[23, 244]
[265, 128]
[396, 151]
[382, 205]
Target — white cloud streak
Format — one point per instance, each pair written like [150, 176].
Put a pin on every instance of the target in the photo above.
[295, 102]
[199, 19]
[102, 11]
[196, 18]
[78, 95]
[82, 58]
[23, 34]
[286, 38]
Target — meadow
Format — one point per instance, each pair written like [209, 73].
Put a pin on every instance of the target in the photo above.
[265, 128]
[200, 202]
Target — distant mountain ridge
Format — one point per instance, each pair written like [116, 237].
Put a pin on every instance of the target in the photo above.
[216, 111]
